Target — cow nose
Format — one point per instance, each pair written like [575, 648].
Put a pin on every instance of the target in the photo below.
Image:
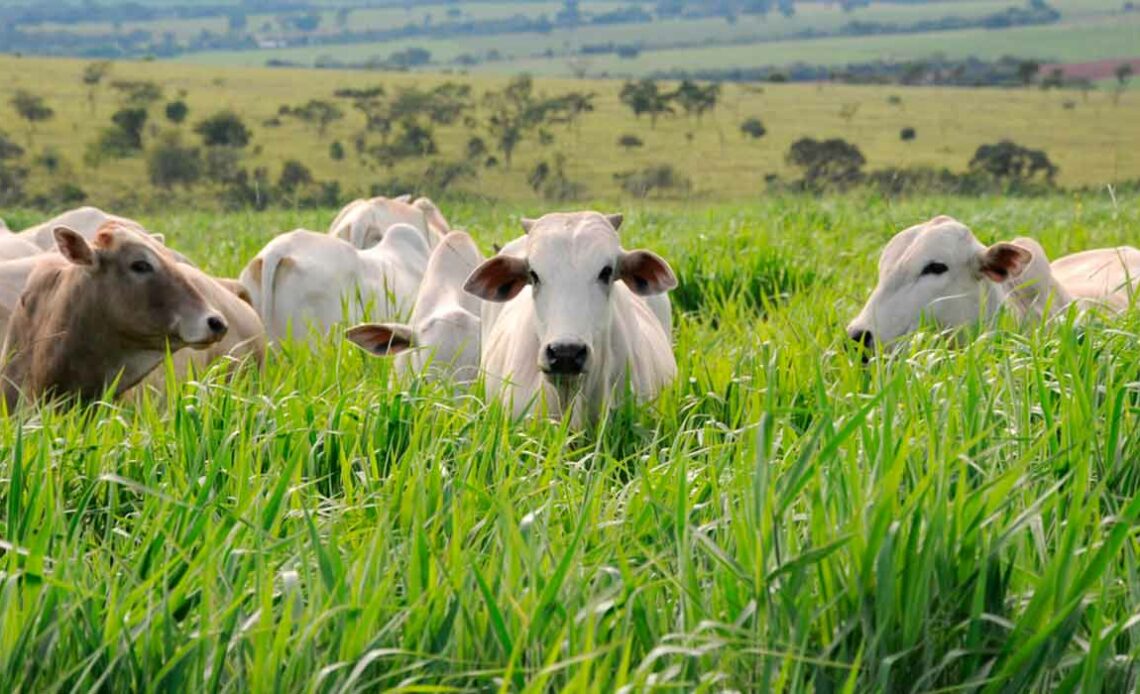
[864, 339]
[566, 358]
[216, 325]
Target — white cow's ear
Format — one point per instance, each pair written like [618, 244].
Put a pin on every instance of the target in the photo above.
[528, 224]
[499, 279]
[1003, 261]
[646, 273]
[73, 246]
[381, 339]
[615, 220]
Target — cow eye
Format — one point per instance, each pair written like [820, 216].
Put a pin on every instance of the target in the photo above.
[934, 268]
[606, 275]
[533, 277]
[141, 267]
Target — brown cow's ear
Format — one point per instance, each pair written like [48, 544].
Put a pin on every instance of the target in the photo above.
[1003, 261]
[615, 220]
[499, 279]
[73, 246]
[381, 339]
[528, 224]
[646, 273]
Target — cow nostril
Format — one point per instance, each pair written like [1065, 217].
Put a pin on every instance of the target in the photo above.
[863, 337]
[216, 325]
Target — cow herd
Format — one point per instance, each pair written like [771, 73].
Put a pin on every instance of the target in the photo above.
[562, 320]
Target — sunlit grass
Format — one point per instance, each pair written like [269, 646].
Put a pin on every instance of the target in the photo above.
[782, 518]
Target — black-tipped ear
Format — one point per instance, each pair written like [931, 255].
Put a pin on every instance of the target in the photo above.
[1003, 261]
[646, 273]
[615, 220]
[381, 339]
[499, 279]
[528, 224]
[73, 246]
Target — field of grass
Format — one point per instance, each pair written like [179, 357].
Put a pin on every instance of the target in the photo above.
[783, 518]
[661, 33]
[1094, 38]
[1093, 143]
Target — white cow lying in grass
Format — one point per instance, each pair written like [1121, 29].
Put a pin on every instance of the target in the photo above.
[442, 337]
[575, 329]
[304, 280]
[939, 271]
[86, 221]
[364, 222]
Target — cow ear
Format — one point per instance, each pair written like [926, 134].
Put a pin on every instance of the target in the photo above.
[499, 279]
[73, 246]
[615, 220]
[646, 273]
[528, 224]
[161, 238]
[1003, 261]
[381, 339]
[406, 197]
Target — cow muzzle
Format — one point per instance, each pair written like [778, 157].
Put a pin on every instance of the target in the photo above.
[564, 358]
[203, 330]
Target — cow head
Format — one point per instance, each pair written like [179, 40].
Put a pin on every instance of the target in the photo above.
[939, 272]
[143, 295]
[571, 264]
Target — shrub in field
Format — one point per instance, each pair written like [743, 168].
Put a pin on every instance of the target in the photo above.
[316, 113]
[753, 128]
[124, 138]
[170, 163]
[138, 93]
[1012, 163]
[907, 134]
[294, 175]
[176, 111]
[645, 96]
[225, 129]
[695, 99]
[93, 75]
[661, 178]
[827, 163]
[12, 174]
[630, 142]
[336, 151]
[32, 108]
[553, 183]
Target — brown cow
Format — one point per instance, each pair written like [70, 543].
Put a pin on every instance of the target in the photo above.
[94, 314]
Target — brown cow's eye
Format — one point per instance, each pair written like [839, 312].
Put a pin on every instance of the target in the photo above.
[606, 275]
[934, 269]
[141, 267]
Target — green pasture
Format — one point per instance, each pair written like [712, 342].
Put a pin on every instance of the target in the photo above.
[1093, 139]
[782, 518]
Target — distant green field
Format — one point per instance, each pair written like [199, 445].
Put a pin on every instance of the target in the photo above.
[690, 32]
[1093, 39]
[1094, 142]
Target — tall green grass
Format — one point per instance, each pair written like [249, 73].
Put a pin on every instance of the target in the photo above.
[782, 518]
